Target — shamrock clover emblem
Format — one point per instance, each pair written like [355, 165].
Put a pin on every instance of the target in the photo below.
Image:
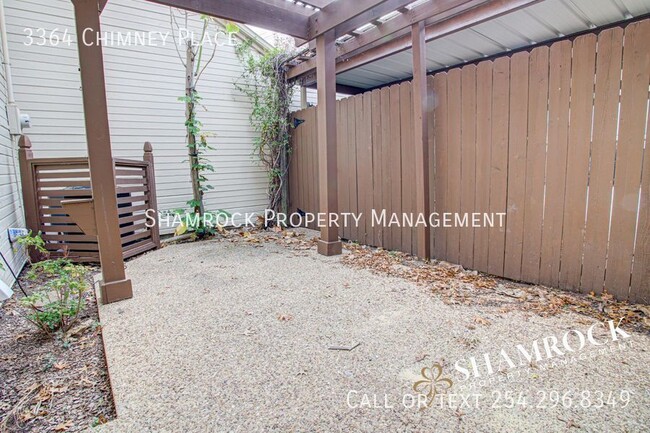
[432, 384]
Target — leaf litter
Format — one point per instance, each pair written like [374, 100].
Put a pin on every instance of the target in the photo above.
[455, 285]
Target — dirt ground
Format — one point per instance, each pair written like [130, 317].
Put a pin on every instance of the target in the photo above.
[47, 385]
[258, 333]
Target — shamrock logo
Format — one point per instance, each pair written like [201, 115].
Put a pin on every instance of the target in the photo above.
[432, 384]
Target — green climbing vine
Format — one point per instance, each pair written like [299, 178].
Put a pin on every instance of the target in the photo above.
[264, 82]
[197, 138]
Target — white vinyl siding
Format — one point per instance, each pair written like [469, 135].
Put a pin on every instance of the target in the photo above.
[11, 212]
[143, 85]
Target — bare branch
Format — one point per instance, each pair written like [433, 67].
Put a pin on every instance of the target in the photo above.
[172, 22]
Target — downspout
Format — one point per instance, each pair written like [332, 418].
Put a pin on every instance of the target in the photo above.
[11, 101]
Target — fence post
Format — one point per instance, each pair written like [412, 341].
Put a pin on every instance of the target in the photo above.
[28, 183]
[151, 184]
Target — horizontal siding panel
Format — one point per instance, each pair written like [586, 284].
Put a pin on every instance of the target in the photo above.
[143, 86]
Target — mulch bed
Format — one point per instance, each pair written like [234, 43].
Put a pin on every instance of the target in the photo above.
[48, 384]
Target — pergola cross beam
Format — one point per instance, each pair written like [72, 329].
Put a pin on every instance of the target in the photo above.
[345, 16]
[453, 20]
[254, 12]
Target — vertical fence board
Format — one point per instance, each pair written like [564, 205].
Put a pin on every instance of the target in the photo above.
[453, 160]
[468, 162]
[293, 166]
[441, 175]
[344, 165]
[516, 164]
[341, 161]
[366, 169]
[582, 87]
[396, 163]
[362, 168]
[535, 163]
[483, 157]
[603, 151]
[314, 149]
[408, 164]
[377, 181]
[499, 161]
[315, 191]
[353, 177]
[300, 161]
[640, 290]
[559, 94]
[308, 142]
[387, 177]
[432, 162]
[634, 101]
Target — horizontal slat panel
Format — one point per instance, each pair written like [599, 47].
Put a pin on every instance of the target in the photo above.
[63, 183]
[67, 238]
[132, 218]
[131, 209]
[60, 228]
[133, 228]
[138, 247]
[81, 246]
[63, 175]
[129, 172]
[131, 189]
[136, 236]
[130, 181]
[64, 193]
[132, 199]
[60, 167]
[56, 219]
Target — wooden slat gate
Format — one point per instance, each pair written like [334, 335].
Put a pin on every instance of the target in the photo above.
[555, 137]
[46, 182]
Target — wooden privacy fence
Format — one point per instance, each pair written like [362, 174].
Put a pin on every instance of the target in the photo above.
[46, 182]
[554, 137]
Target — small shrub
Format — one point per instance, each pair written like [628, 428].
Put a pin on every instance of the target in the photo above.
[195, 223]
[33, 245]
[56, 306]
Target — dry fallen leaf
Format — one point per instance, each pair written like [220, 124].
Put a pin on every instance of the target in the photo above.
[481, 321]
[60, 365]
[285, 317]
[421, 357]
[63, 426]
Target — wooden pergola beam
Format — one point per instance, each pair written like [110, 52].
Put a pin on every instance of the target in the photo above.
[345, 16]
[342, 88]
[329, 243]
[317, 3]
[114, 285]
[403, 21]
[435, 30]
[253, 12]
[421, 137]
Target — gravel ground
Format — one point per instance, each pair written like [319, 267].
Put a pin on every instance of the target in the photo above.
[236, 336]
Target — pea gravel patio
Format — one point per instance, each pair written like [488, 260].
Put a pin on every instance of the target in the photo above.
[234, 336]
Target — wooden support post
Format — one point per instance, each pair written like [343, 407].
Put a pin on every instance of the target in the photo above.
[28, 187]
[329, 243]
[421, 137]
[114, 286]
[151, 194]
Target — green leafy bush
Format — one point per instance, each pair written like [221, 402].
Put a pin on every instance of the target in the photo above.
[33, 245]
[56, 306]
[194, 222]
